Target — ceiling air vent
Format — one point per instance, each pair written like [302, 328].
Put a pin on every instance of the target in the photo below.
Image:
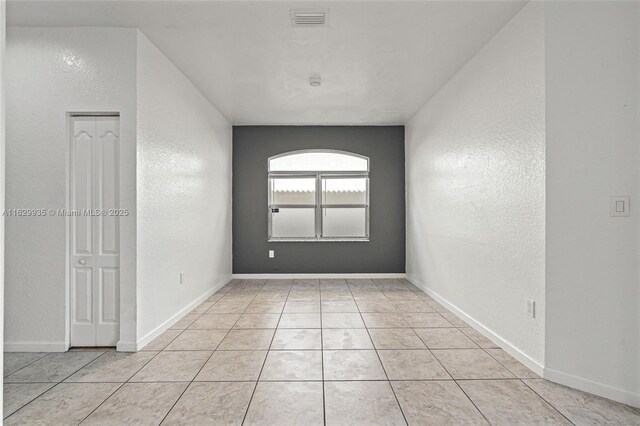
[308, 18]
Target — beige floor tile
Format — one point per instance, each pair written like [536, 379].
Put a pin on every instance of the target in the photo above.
[137, 404]
[54, 367]
[185, 322]
[237, 298]
[292, 365]
[411, 306]
[512, 364]
[16, 395]
[235, 306]
[454, 319]
[304, 295]
[211, 404]
[114, 367]
[333, 283]
[425, 297]
[412, 365]
[270, 298]
[301, 307]
[161, 342]
[384, 320]
[215, 321]
[197, 340]
[14, 361]
[437, 307]
[436, 403]
[444, 338]
[334, 296]
[361, 282]
[352, 365]
[300, 321]
[361, 403]
[64, 404]
[306, 283]
[288, 403]
[172, 367]
[202, 308]
[340, 338]
[265, 307]
[293, 338]
[478, 338]
[238, 340]
[232, 366]
[258, 321]
[369, 296]
[215, 297]
[584, 408]
[342, 320]
[471, 364]
[376, 306]
[400, 295]
[510, 402]
[339, 306]
[395, 338]
[426, 319]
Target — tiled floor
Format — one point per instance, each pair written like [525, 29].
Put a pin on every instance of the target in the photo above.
[301, 352]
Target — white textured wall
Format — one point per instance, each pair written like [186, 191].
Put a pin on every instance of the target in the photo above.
[184, 191]
[3, 21]
[475, 186]
[593, 132]
[52, 71]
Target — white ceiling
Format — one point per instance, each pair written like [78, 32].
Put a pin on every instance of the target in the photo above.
[379, 61]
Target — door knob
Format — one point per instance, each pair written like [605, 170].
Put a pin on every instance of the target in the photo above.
[82, 261]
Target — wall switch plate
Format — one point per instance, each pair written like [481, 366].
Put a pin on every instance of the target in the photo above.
[619, 206]
[272, 254]
[531, 308]
[182, 277]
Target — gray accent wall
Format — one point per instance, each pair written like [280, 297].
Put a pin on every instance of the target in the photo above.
[383, 253]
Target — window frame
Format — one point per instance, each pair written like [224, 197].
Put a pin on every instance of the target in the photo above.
[320, 176]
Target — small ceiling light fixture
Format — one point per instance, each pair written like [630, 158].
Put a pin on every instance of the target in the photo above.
[314, 81]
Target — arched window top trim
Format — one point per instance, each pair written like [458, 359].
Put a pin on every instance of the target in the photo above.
[321, 151]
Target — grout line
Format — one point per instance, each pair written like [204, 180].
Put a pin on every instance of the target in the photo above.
[265, 357]
[61, 381]
[324, 399]
[207, 360]
[545, 400]
[382, 365]
[460, 387]
[46, 354]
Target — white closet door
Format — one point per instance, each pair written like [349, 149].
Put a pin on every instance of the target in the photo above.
[94, 228]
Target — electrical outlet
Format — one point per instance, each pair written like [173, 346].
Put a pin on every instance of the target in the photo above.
[531, 308]
[182, 277]
[272, 254]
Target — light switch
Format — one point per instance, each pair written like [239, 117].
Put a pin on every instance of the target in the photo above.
[619, 206]
[272, 254]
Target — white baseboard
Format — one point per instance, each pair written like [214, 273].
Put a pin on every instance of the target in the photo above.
[507, 346]
[36, 346]
[592, 386]
[146, 339]
[560, 377]
[315, 276]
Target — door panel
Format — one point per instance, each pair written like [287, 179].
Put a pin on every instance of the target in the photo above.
[82, 191]
[95, 257]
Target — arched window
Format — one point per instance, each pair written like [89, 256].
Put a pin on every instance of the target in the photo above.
[318, 195]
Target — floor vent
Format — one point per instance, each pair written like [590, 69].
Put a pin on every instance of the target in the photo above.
[308, 18]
